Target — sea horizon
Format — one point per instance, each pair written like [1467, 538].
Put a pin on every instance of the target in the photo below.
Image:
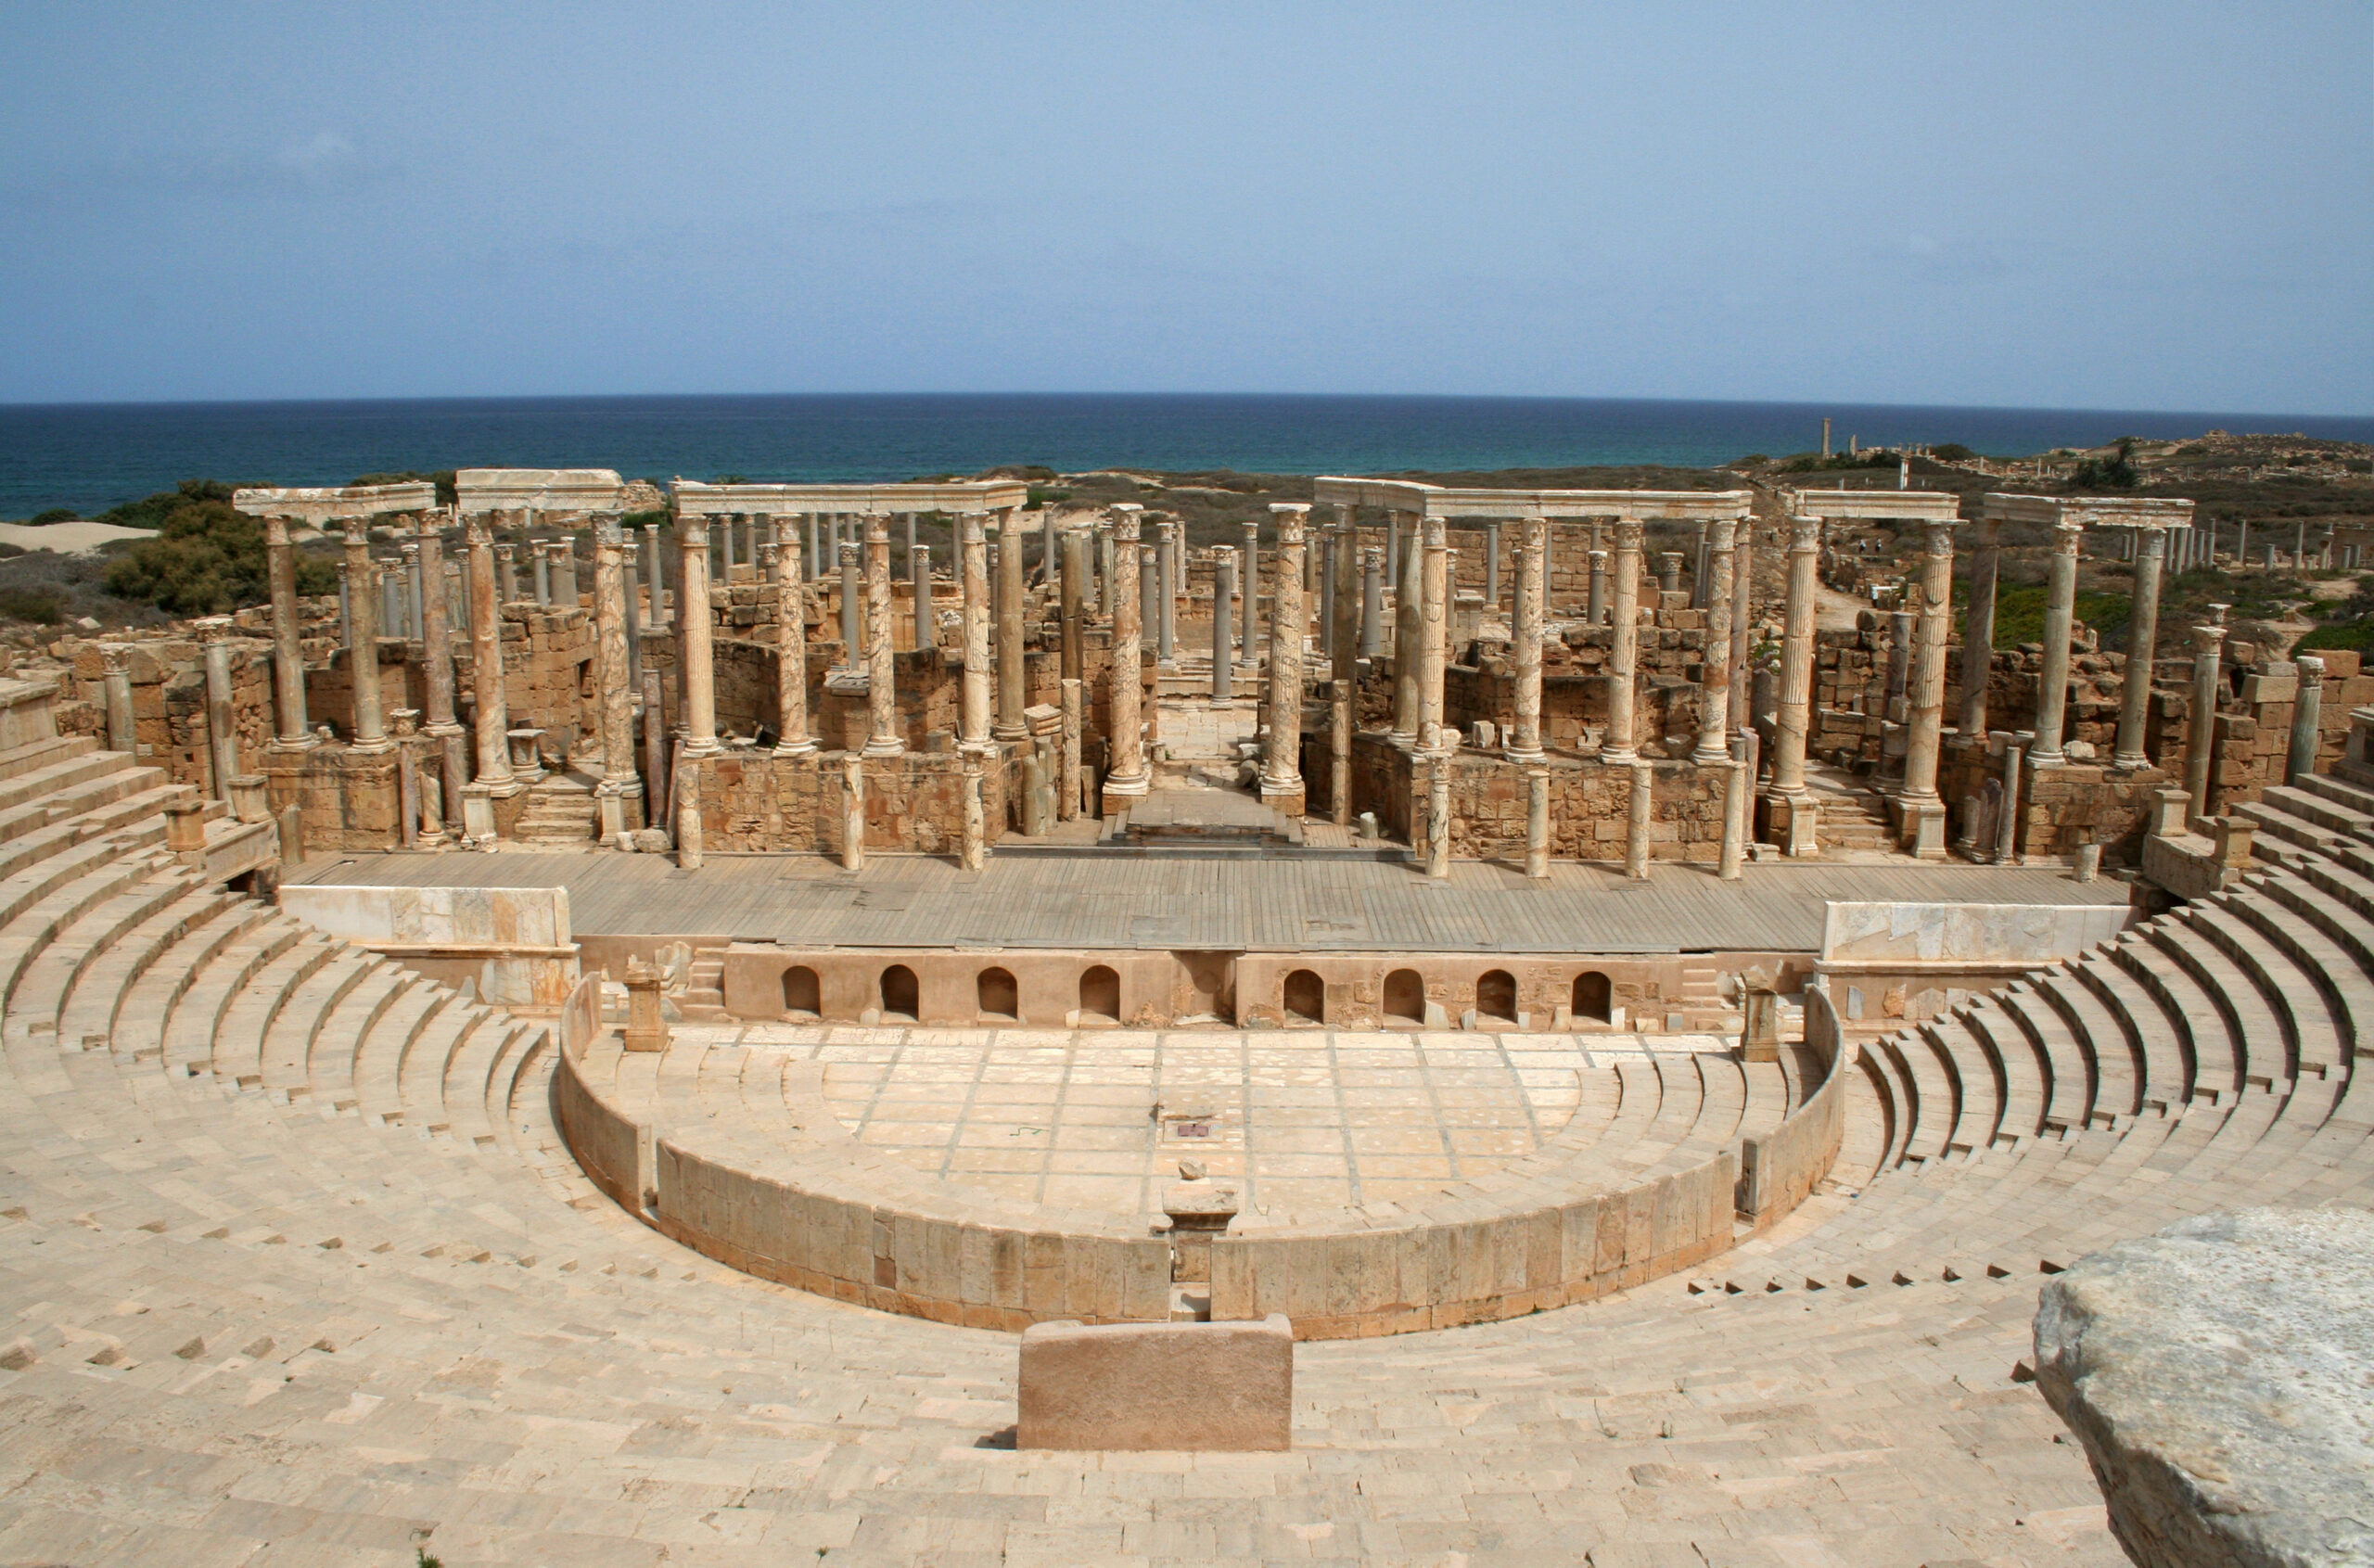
[93, 455]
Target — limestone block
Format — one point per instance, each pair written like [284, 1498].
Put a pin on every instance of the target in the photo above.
[2217, 1375]
[1212, 1387]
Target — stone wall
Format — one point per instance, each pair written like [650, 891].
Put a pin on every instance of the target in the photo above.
[753, 801]
[1590, 802]
[169, 702]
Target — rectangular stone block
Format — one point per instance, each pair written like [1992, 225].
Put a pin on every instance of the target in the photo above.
[1209, 1387]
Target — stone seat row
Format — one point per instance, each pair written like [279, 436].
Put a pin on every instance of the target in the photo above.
[2207, 1058]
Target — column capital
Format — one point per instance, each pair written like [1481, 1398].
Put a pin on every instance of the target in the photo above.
[1722, 533]
[1629, 531]
[877, 530]
[608, 530]
[1937, 536]
[2151, 541]
[355, 531]
[478, 533]
[1289, 517]
[1435, 531]
[1372, 556]
[1805, 534]
[2066, 534]
[852, 554]
[276, 530]
[1124, 520]
[2311, 671]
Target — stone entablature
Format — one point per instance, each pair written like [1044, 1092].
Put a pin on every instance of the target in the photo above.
[1895, 505]
[317, 505]
[957, 498]
[480, 490]
[1437, 501]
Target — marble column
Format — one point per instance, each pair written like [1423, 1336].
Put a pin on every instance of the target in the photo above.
[974, 853]
[695, 648]
[1372, 601]
[2059, 611]
[1736, 784]
[2307, 710]
[1165, 597]
[222, 717]
[1669, 571]
[631, 570]
[1282, 784]
[1339, 752]
[436, 652]
[1641, 809]
[411, 553]
[363, 664]
[972, 575]
[881, 666]
[1624, 653]
[814, 558]
[1438, 764]
[541, 551]
[1978, 626]
[1248, 572]
[1126, 775]
[1072, 589]
[345, 602]
[792, 738]
[1700, 592]
[1715, 660]
[115, 684]
[852, 810]
[2142, 639]
[1536, 823]
[919, 595]
[1920, 815]
[853, 563]
[2200, 740]
[1344, 626]
[1433, 648]
[492, 721]
[1743, 580]
[1012, 699]
[1492, 564]
[1223, 650]
[1074, 716]
[619, 798]
[1409, 635]
[1532, 549]
[1796, 714]
[287, 651]
[507, 563]
[1595, 604]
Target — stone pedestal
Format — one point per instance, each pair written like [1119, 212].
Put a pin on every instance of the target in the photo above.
[646, 1024]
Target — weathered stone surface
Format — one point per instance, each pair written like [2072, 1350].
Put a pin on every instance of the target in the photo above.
[2221, 1377]
[1203, 1386]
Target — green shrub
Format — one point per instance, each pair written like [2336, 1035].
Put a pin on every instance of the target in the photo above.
[55, 514]
[150, 511]
[2118, 473]
[2019, 612]
[206, 559]
[1952, 451]
[40, 606]
[2339, 635]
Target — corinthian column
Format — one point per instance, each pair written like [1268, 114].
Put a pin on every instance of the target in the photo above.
[1533, 550]
[1978, 625]
[1433, 632]
[2142, 633]
[287, 653]
[619, 795]
[694, 647]
[1624, 655]
[2059, 611]
[1126, 777]
[1408, 634]
[791, 644]
[973, 715]
[1344, 622]
[1920, 815]
[494, 717]
[2201, 743]
[437, 647]
[1282, 757]
[1715, 661]
[1011, 724]
[881, 690]
[363, 664]
[1796, 661]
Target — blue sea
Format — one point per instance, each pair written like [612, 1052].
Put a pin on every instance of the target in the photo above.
[90, 456]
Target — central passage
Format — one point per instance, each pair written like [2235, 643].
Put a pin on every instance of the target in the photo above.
[1301, 1120]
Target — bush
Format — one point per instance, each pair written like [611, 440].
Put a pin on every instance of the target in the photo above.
[2339, 635]
[150, 511]
[55, 514]
[206, 559]
[38, 604]
[2118, 473]
[2018, 613]
[1952, 451]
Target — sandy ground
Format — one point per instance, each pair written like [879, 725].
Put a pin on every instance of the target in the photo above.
[68, 538]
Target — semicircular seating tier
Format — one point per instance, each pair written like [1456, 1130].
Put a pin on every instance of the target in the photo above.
[296, 1264]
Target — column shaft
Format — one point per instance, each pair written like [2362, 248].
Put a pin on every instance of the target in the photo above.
[1126, 773]
[1532, 547]
[1282, 760]
[2307, 710]
[1978, 627]
[1796, 660]
[363, 664]
[1434, 649]
[792, 738]
[1371, 601]
[2201, 742]
[437, 650]
[1409, 633]
[2059, 611]
[973, 717]
[1624, 653]
[1344, 626]
[1715, 660]
[2142, 637]
[1926, 684]
[1223, 653]
[287, 652]
[1011, 725]
[493, 719]
[695, 649]
[881, 663]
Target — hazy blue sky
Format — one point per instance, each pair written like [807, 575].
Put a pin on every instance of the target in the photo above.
[2162, 206]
